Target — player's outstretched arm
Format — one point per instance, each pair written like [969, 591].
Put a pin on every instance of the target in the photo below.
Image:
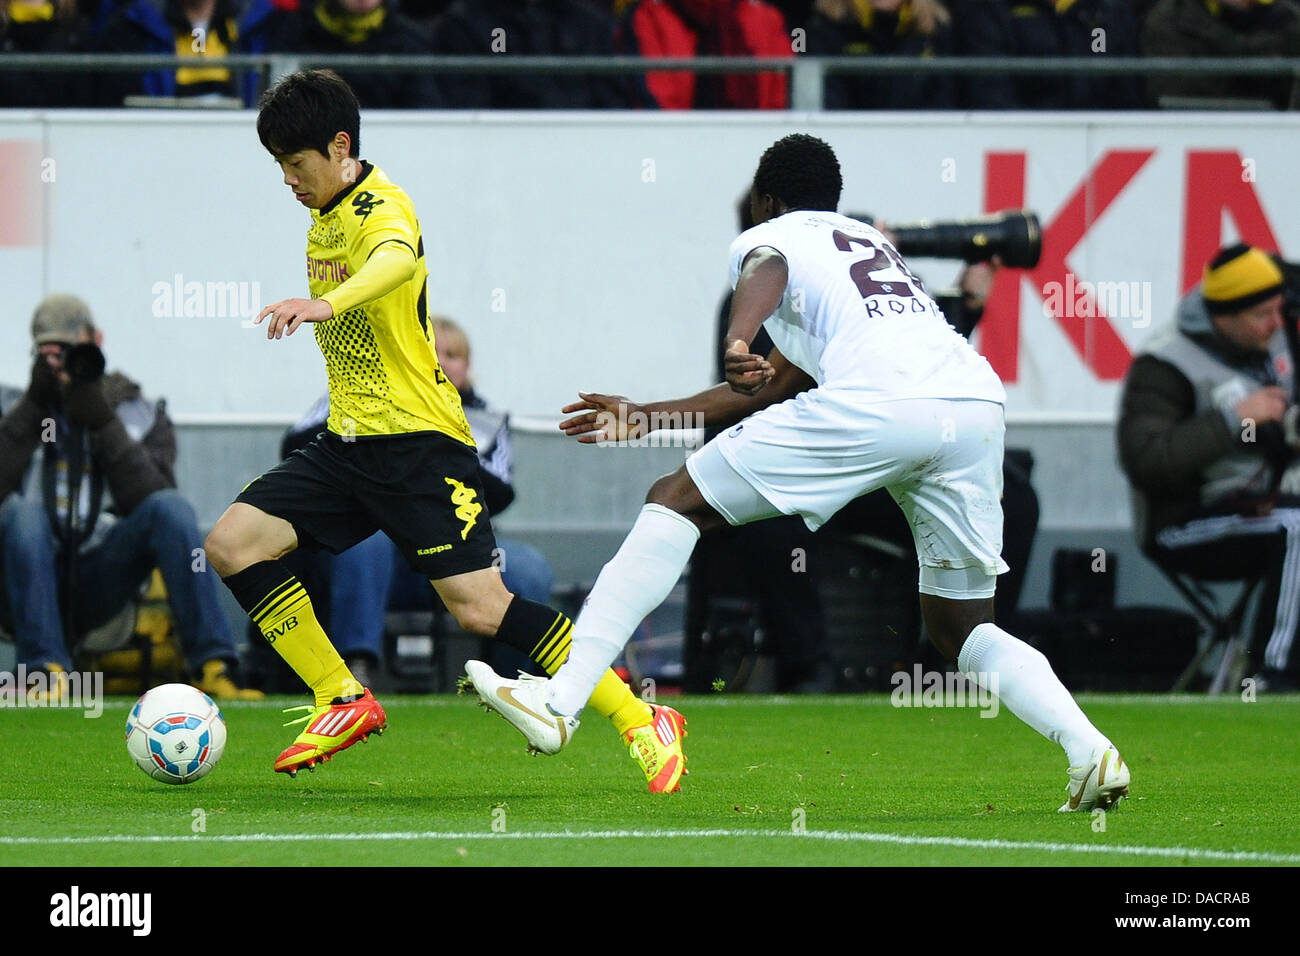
[391, 264]
[602, 418]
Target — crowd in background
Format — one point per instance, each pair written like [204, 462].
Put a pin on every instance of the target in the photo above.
[659, 28]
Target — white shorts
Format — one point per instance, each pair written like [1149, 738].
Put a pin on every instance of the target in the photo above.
[940, 459]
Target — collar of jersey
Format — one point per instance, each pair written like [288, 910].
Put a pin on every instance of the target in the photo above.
[328, 208]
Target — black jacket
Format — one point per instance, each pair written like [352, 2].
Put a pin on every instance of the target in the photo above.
[1189, 28]
[1036, 28]
[44, 88]
[129, 469]
[541, 28]
[1165, 444]
[304, 32]
[929, 91]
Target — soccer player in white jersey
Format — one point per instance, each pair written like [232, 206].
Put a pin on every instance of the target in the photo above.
[867, 387]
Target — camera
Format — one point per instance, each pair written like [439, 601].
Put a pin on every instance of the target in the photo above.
[1014, 235]
[83, 362]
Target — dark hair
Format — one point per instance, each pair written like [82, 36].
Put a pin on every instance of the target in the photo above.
[304, 111]
[802, 172]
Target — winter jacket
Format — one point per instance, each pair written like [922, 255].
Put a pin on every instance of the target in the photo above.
[878, 33]
[315, 28]
[44, 88]
[131, 457]
[1041, 28]
[1199, 28]
[688, 28]
[1181, 445]
[541, 28]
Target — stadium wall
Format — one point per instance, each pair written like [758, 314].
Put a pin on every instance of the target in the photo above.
[589, 250]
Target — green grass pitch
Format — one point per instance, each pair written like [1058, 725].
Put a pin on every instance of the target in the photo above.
[1215, 781]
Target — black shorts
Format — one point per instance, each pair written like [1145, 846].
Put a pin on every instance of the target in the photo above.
[422, 489]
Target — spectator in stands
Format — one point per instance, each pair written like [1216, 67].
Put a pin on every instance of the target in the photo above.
[921, 28]
[532, 28]
[1198, 28]
[368, 27]
[201, 29]
[1207, 435]
[687, 28]
[364, 581]
[1045, 28]
[69, 561]
[41, 26]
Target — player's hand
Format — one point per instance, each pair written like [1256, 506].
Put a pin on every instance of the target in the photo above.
[976, 281]
[287, 314]
[746, 373]
[1267, 404]
[44, 386]
[603, 418]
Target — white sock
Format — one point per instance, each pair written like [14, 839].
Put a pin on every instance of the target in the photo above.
[634, 582]
[1027, 684]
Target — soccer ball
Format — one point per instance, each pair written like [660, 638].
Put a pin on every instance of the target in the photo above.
[175, 733]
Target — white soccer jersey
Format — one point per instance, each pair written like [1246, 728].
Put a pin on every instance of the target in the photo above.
[854, 317]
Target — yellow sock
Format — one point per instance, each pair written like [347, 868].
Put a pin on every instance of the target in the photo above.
[287, 621]
[612, 697]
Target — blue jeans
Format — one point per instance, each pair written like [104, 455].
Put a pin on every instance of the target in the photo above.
[371, 576]
[161, 532]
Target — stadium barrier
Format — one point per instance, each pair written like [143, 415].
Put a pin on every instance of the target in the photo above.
[807, 73]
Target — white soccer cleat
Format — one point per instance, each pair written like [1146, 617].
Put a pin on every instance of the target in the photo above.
[523, 703]
[1101, 784]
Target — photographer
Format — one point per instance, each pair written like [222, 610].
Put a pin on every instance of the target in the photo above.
[1207, 432]
[69, 560]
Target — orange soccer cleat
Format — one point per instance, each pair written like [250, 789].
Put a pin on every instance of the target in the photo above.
[331, 727]
[657, 749]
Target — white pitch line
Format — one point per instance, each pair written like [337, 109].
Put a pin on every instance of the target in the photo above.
[833, 836]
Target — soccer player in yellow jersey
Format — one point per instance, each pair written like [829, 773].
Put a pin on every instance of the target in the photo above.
[397, 454]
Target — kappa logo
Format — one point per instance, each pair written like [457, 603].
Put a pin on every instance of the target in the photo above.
[364, 203]
[467, 509]
[271, 633]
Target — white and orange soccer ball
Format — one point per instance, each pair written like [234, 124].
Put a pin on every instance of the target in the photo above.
[175, 733]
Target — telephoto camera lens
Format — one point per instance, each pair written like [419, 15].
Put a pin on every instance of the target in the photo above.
[1014, 235]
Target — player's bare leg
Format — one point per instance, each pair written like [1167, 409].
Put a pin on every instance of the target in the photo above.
[245, 547]
[481, 605]
[478, 600]
[244, 535]
[1022, 678]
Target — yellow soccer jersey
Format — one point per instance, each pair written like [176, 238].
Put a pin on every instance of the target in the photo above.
[384, 377]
